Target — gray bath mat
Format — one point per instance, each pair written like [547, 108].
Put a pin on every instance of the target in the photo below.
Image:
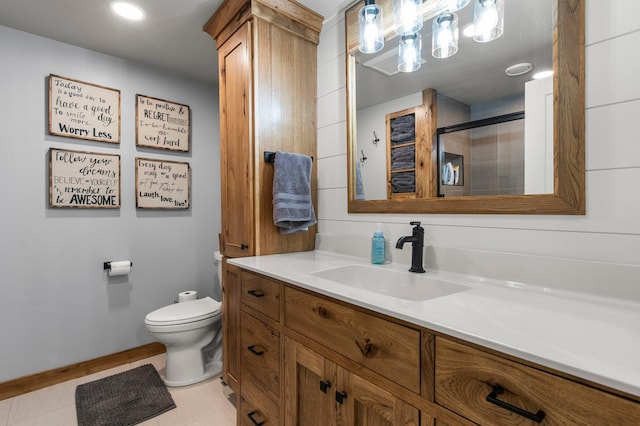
[126, 398]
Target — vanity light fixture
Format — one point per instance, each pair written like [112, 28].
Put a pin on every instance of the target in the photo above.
[453, 5]
[445, 35]
[410, 53]
[370, 30]
[488, 20]
[407, 16]
[127, 10]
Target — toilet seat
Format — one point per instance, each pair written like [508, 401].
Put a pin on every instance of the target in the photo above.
[184, 313]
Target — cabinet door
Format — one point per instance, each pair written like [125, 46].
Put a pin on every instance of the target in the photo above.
[367, 404]
[318, 392]
[231, 292]
[236, 171]
[309, 387]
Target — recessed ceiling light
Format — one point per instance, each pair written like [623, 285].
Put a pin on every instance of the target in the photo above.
[518, 69]
[543, 74]
[127, 10]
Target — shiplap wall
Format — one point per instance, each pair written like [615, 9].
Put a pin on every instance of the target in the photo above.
[609, 232]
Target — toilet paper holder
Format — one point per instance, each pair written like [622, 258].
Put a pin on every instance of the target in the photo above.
[107, 265]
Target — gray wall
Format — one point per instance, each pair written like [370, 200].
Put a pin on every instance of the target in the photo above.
[57, 305]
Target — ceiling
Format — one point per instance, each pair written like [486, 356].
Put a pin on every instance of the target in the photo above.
[170, 38]
[476, 74]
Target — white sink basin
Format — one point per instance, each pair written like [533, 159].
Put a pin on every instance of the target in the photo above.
[402, 285]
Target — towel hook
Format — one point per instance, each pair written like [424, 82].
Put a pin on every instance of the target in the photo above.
[376, 139]
[363, 158]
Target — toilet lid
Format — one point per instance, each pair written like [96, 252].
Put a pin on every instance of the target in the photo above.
[185, 312]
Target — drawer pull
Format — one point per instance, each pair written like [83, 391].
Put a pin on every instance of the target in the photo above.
[257, 423]
[256, 293]
[493, 398]
[255, 351]
[341, 396]
[324, 386]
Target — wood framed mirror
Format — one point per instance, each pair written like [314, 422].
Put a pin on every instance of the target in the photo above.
[564, 191]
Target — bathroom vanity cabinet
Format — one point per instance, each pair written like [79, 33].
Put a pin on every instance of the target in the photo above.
[267, 79]
[309, 359]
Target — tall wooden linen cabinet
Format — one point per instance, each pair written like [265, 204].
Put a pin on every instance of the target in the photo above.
[267, 65]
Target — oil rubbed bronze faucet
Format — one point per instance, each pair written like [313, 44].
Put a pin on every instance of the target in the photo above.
[417, 244]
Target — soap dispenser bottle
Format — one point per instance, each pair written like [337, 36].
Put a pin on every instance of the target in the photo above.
[377, 246]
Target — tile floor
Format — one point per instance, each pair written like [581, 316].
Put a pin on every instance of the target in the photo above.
[205, 403]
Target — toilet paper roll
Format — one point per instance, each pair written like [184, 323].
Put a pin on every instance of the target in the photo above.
[122, 267]
[187, 295]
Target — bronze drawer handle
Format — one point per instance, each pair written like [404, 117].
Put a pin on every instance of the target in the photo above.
[256, 293]
[250, 415]
[340, 397]
[493, 399]
[255, 351]
[324, 386]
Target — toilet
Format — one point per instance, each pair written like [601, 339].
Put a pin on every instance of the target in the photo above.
[192, 333]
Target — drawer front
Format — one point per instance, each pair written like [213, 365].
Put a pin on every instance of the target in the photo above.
[262, 294]
[466, 378]
[260, 348]
[255, 408]
[389, 349]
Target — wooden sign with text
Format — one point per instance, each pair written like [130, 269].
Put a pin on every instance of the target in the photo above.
[83, 179]
[162, 184]
[162, 124]
[83, 110]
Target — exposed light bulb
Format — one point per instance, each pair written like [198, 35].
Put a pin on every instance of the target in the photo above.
[407, 16]
[445, 35]
[371, 35]
[488, 20]
[410, 53]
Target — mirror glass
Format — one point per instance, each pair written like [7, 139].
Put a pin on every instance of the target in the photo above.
[483, 126]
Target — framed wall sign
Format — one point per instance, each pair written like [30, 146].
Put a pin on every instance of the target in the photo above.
[83, 110]
[162, 184]
[162, 124]
[83, 179]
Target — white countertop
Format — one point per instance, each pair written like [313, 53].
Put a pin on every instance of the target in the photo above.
[591, 337]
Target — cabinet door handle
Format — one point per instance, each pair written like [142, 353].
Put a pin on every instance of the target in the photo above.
[493, 399]
[341, 396]
[324, 386]
[255, 351]
[254, 421]
[256, 293]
